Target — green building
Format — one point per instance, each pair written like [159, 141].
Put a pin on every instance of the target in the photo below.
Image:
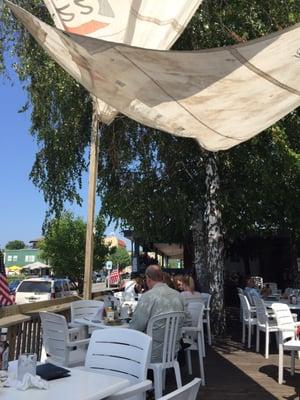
[21, 257]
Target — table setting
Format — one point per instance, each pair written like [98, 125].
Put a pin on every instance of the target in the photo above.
[24, 380]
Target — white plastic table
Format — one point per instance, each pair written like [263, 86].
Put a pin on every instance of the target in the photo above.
[100, 325]
[269, 303]
[83, 384]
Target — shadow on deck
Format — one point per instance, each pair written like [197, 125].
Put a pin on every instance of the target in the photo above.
[234, 372]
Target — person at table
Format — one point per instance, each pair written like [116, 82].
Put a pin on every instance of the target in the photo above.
[250, 291]
[266, 291]
[168, 280]
[188, 286]
[178, 282]
[160, 298]
[133, 287]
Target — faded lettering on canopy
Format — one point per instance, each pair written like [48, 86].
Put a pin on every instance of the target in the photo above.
[220, 97]
[143, 23]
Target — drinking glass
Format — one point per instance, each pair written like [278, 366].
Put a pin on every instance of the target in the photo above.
[26, 363]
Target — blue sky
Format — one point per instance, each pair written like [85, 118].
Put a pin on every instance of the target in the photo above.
[22, 208]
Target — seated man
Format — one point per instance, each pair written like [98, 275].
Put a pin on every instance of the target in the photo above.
[250, 291]
[160, 298]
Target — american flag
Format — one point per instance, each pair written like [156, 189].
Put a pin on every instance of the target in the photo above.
[5, 299]
[114, 277]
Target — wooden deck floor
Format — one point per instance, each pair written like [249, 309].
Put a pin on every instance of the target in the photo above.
[233, 372]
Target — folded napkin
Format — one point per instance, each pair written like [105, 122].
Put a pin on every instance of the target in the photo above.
[28, 381]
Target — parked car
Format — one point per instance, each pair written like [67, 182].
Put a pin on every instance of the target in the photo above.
[39, 289]
[12, 286]
[100, 277]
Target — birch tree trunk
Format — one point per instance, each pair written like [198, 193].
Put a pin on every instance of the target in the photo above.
[214, 244]
[198, 232]
[295, 282]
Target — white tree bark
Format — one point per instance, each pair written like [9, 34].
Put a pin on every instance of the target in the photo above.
[199, 242]
[214, 244]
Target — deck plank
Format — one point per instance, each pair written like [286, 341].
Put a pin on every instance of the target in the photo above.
[236, 373]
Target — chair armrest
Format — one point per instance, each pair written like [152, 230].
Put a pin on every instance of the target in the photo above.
[78, 342]
[132, 390]
[73, 325]
[74, 330]
[191, 329]
[286, 330]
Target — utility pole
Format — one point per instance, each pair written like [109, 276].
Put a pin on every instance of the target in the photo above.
[93, 173]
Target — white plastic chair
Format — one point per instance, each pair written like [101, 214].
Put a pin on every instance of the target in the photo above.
[193, 335]
[264, 324]
[287, 336]
[88, 309]
[59, 347]
[124, 353]
[186, 392]
[248, 319]
[120, 296]
[273, 286]
[206, 297]
[110, 300]
[171, 324]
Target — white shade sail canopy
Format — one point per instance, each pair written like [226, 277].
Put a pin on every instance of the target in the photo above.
[150, 24]
[172, 250]
[36, 265]
[220, 97]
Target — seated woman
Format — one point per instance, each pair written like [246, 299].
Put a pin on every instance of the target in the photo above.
[188, 286]
[266, 291]
[177, 279]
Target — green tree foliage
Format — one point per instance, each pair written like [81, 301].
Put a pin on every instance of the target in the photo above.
[60, 111]
[15, 245]
[119, 257]
[64, 246]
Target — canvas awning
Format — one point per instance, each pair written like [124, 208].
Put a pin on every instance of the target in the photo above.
[220, 97]
[36, 265]
[144, 23]
[14, 268]
[172, 250]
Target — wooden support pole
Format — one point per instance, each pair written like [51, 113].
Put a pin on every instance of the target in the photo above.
[89, 244]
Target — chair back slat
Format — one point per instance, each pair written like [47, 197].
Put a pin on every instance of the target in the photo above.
[120, 352]
[196, 308]
[245, 307]
[261, 311]
[284, 320]
[206, 298]
[169, 326]
[55, 335]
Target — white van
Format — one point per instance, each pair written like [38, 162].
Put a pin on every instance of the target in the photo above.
[39, 289]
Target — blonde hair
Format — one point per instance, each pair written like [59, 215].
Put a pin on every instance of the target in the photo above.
[188, 283]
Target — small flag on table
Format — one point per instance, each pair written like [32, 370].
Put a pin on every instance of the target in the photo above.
[5, 299]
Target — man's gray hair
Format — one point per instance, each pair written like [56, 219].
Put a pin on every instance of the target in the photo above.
[154, 273]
